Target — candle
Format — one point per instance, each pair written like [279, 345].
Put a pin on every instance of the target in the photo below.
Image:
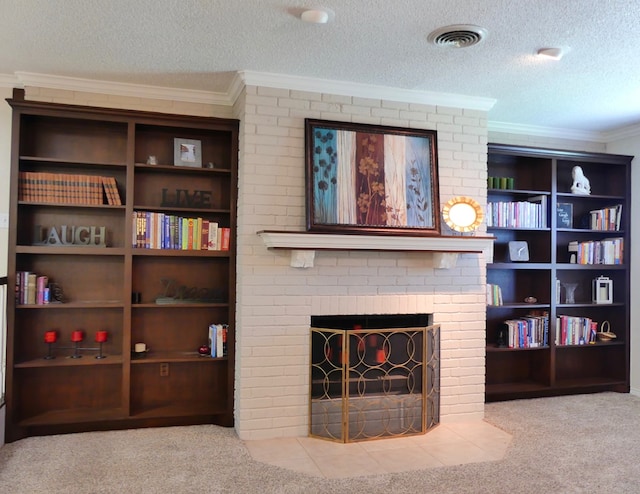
[50, 336]
[140, 347]
[77, 336]
[101, 336]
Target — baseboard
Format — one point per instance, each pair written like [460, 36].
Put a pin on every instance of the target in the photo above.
[634, 391]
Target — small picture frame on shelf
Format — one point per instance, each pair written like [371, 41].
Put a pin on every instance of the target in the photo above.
[187, 152]
[564, 215]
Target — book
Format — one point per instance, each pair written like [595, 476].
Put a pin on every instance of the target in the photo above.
[204, 235]
[213, 235]
[213, 339]
[41, 284]
[220, 340]
[31, 288]
[225, 238]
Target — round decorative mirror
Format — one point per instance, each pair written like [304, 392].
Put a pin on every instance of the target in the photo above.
[462, 214]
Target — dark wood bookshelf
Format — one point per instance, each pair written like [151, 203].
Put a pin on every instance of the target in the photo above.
[172, 384]
[554, 369]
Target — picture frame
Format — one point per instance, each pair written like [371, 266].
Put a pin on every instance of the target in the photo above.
[187, 152]
[564, 215]
[374, 179]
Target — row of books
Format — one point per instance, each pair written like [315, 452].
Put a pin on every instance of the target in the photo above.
[528, 332]
[65, 188]
[494, 295]
[218, 339]
[608, 218]
[31, 288]
[520, 214]
[575, 330]
[607, 251]
[153, 230]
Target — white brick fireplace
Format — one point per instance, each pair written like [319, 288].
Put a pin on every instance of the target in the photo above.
[275, 300]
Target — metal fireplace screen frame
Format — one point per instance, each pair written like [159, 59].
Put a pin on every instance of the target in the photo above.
[374, 383]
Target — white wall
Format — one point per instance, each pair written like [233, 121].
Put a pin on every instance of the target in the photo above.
[5, 166]
[631, 146]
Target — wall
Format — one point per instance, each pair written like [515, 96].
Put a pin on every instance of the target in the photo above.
[275, 301]
[631, 146]
[5, 166]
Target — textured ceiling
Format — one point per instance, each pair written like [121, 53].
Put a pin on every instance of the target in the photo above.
[199, 44]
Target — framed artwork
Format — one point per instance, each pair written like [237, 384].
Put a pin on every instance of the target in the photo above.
[187, 152]
[371, 179]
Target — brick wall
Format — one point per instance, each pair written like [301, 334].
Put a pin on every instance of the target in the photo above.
[276, 301]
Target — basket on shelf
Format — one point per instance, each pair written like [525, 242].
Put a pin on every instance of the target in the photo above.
[605, 333]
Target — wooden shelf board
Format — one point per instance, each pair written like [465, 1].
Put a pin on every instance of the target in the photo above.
[143, 167]
[137, 251]
[493, 348]
[88, 304]
[72, 416]
[177, 410]
[152, 357]
[194, 305]
[66, 205]
[70, 251]
[88, 358]
[105, 164]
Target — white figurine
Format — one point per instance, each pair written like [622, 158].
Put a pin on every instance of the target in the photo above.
[580, 182]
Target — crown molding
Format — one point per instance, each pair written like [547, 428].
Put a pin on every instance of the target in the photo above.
[10, 81]
[623, 133]
[121, 89]
[540, 131]
[344, 88]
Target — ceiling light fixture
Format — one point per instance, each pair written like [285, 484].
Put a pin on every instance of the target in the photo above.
[315, 16]
[554, 53]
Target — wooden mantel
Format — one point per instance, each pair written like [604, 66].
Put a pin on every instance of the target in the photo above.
[445, 248]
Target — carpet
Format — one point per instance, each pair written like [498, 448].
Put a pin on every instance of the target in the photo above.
[572, 444]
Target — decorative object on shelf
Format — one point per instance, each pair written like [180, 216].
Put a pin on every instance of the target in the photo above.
[50, 337]
[500, 183]
[518, 251]
[570, 292]
[152, 160]
[581, 185]
[76, 338]
[530, 300]
[182, 294]
[204, 350]
[187, 152]
[564, 215]
[136, 297]
[101, 337]
[573, 251]
[503, 337]
[185, 198]
[371, 178]
[605, 333]
[462, 214]
[88, 236]
[602, 290]
[56, 295]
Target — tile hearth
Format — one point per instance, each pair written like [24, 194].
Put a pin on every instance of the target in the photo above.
[448, 444]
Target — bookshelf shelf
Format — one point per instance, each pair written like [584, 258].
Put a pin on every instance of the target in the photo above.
[556, 368]
[97, 146]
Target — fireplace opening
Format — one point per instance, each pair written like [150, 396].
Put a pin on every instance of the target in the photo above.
[374, 376]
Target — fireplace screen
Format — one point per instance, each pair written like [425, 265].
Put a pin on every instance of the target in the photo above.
[374, 383]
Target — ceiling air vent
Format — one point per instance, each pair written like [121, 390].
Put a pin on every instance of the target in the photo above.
[458, 36]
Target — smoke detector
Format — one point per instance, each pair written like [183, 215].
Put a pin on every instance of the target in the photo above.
[457, 36]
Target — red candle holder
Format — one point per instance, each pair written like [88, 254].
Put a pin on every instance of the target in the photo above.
[76, 338]
[50, 337]
[101, 337]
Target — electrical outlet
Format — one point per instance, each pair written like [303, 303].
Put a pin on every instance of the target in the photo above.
[164, 369]
[4, 220]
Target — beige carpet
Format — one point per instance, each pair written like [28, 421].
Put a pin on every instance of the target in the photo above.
[576, 444]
